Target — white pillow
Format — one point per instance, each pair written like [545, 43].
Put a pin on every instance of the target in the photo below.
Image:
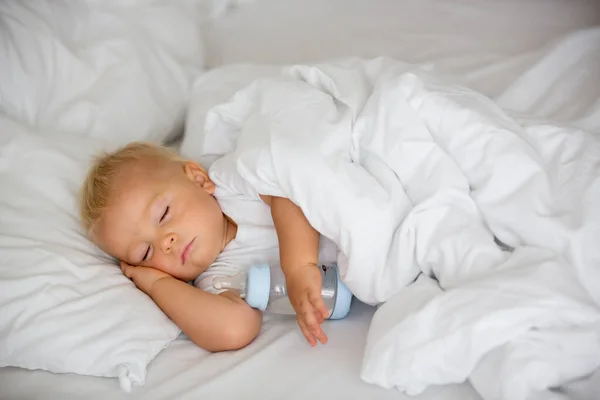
[113, 69]
[65, 306]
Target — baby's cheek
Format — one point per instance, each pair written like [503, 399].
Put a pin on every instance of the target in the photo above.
[202, 259]
[162, 263]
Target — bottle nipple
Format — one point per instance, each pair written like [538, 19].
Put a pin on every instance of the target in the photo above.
[235, 283]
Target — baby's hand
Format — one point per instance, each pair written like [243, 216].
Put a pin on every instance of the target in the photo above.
[143, 277]
[304, 290]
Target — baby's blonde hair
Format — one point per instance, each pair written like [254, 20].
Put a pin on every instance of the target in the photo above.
[100, 179]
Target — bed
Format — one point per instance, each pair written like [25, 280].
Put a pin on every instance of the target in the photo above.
[534, 57]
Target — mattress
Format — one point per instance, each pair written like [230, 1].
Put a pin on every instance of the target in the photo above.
[492, 46]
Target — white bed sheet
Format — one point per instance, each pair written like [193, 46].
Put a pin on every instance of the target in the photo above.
[489, 45]
[278, 365]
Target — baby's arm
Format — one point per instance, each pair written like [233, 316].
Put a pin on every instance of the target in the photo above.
[299, 254]
[213, 322]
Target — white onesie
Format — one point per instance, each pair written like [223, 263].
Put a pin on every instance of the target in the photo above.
[256, 239]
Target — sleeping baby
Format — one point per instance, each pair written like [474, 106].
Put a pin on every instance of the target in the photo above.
[170, 222]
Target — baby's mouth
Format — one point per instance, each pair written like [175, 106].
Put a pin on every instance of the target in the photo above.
[186, 251]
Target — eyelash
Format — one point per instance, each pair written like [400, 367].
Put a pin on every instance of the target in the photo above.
[161, 220]
[164, 214]
[146, 254]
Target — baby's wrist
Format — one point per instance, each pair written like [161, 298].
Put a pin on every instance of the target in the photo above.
[298, 269]
[154, 287]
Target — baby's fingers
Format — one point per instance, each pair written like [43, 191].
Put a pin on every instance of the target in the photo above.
[307, 333]
[309, 317]
[316, 300]
[126, 269]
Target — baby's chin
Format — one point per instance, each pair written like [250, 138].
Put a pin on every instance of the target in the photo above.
[191, 273]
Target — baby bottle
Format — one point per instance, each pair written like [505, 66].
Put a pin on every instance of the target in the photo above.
[263, 287]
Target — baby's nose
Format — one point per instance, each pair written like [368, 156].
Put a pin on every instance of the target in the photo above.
[168, 243]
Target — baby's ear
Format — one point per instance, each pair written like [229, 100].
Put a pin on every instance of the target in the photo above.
[198, 176]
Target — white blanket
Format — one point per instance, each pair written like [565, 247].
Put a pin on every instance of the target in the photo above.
[419, 182]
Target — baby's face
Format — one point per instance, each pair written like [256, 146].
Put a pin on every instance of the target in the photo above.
[162, 214]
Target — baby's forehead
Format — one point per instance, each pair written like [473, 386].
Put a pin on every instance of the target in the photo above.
[125, 212]
[133, 187]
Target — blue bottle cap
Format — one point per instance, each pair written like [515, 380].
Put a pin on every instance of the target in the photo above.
[343, 299]
[258, 286]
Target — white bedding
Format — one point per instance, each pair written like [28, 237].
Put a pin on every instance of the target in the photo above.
[413, 178]
[521, 53]
[484, 43]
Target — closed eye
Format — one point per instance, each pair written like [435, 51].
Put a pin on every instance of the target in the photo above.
[164, 214]
[146, 254]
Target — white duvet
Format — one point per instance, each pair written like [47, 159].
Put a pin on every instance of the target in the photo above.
[427, 188]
